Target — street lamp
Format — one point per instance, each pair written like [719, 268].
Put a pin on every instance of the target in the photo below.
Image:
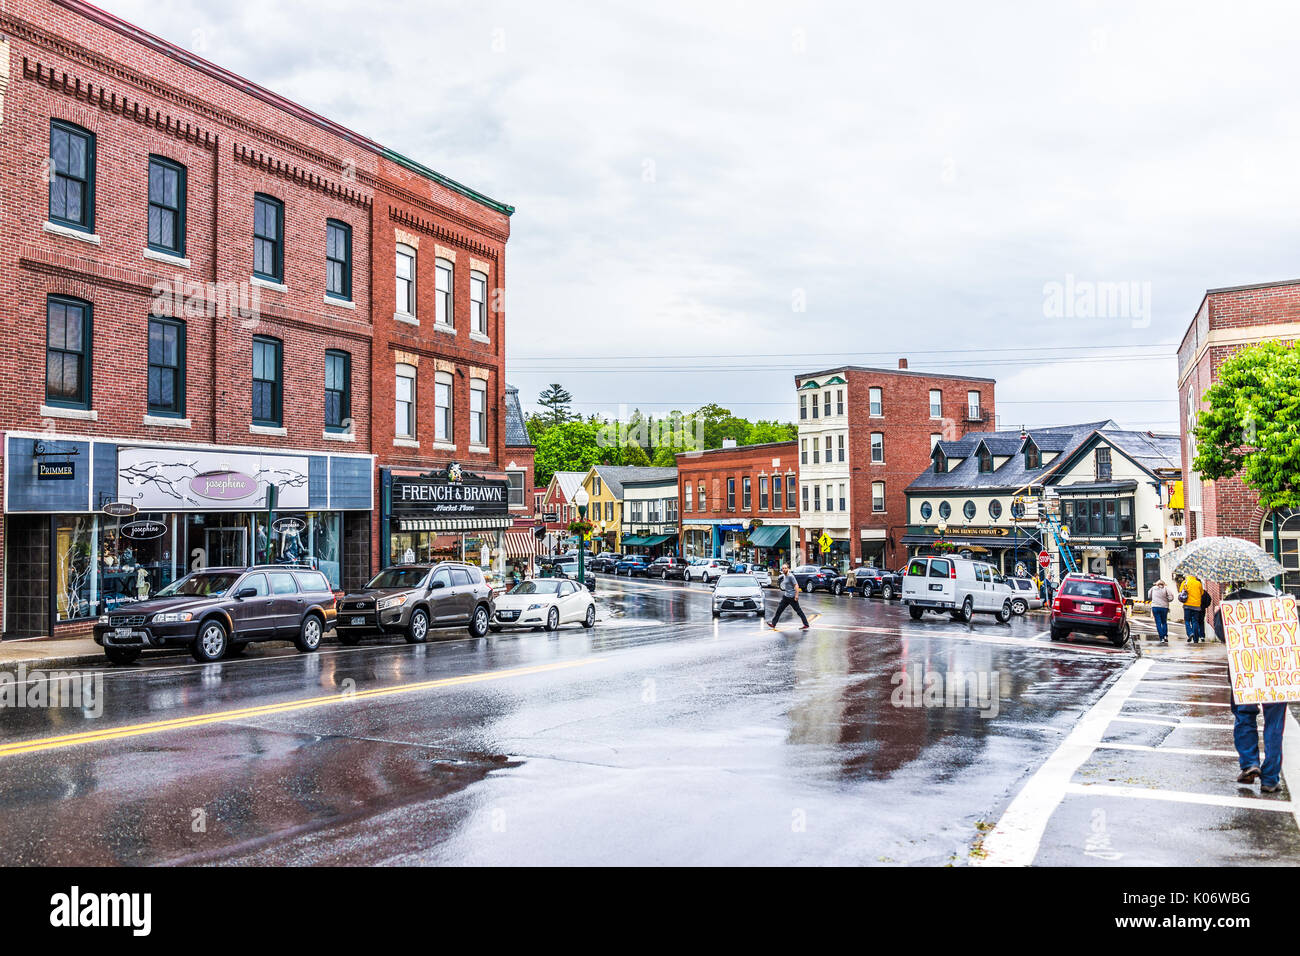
[582, 499]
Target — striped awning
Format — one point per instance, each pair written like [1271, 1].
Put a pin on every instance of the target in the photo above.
[519, 544]
[454, 524]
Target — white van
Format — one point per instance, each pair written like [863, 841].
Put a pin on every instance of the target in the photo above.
[959, 586]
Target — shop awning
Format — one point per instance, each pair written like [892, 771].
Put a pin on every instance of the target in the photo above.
[655, 539]
[454, 524]
[519, 544]
[634, 540]
[731, 527]
[697, 527]
[770, 536]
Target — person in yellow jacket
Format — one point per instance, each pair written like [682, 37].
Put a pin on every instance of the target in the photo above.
[1193, 612]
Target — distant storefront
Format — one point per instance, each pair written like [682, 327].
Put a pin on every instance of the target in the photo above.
[93, 525]
[445, 515]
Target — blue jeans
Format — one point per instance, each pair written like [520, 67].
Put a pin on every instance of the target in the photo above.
[1246, 737]
[1194, 621]
[1161, 614]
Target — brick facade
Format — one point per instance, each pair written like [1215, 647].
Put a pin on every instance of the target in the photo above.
[906, 425]
[713, 468]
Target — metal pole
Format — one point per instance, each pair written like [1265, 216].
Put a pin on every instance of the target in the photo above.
[582, 549]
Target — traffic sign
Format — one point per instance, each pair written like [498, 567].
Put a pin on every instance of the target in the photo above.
[824, 542]
[1044, 559]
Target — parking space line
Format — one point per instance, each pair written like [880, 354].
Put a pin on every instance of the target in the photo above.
[1174, 722]
[1180, 796]
[1189, 751]
[1185, 703]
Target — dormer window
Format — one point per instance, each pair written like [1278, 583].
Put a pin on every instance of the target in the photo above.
[1033, 457]
[940, 461]
[986, 460]
[1103, 464]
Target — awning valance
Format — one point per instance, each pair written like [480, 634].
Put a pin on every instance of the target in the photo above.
[634, 541]
[454, 524]
[770, 536]
[655, 539]
[519, 544]
[731, 527]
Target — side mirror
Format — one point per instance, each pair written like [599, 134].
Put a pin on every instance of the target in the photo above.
[434, 585]
[245, 593]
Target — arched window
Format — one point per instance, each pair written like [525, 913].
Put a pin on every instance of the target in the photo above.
[1288, 529]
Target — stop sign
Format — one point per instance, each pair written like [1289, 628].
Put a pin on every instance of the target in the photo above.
[1044, 559]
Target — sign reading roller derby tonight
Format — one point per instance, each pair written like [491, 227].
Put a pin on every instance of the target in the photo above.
[178, 479]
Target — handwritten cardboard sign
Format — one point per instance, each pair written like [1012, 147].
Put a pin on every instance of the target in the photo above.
[1263, 636]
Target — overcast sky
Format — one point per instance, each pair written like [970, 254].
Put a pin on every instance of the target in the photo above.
[807, 185]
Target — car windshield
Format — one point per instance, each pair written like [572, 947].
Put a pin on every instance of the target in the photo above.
[536, 587]
[200, 585]
[737, 581]
[398, 578]
[1099, 590]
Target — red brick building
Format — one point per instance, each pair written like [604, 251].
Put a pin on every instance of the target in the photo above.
[739, 502]
[864, 435]
[1228, 320]
[198, 278]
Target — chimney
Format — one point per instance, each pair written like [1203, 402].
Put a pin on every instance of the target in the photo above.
[902, 363]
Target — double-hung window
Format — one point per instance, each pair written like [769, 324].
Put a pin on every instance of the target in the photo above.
[268, 238]
[338, 260]
[405, 281]
[478, 303]
[72, 176]
[746, 492]
[731, 494]
[875, 396]
[405, 392]
[840, 442]
[762, 492]
[166, 206]
[338, 391]
[877, 447]
[166, 367]
[268, 368]
[789, 492]
[442, 415]
[477, 412]
[444, 312]
[67, 352]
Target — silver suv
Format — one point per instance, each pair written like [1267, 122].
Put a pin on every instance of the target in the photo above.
[411, 599]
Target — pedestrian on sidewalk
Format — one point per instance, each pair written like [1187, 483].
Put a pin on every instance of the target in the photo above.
[1160, 597]
[789, 598]
[1245, 730]
[1193, 614]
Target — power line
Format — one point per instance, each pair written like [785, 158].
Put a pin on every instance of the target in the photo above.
[1166, 349]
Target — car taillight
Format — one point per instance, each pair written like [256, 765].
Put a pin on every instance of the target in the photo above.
[952, 571]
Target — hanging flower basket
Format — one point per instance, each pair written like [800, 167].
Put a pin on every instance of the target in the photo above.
[580, 528]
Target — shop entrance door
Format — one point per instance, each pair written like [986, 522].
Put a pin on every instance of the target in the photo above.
[226, 547]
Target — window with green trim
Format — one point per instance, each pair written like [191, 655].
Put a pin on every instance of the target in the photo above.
[267, 385]
[338, 259]
[67, 352]
[72, 176]
[166, 206]
[166, 367]
[268, 238]
[338, 391]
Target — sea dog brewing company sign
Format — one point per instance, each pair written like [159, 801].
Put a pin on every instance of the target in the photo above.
[1263, 638]
[450, 494]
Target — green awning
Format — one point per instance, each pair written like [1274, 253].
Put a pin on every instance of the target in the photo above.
[635, 541]
[770, 536]
[655, 539]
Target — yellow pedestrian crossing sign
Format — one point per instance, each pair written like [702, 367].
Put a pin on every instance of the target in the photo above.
[824, 542]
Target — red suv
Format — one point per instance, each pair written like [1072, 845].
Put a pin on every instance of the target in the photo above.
[1089, 604]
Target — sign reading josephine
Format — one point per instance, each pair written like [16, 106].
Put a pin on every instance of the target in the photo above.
[1263, 637]
[176, 479]
[451, 493]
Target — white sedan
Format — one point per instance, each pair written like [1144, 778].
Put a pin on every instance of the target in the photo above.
[545, 602]
[738, 592]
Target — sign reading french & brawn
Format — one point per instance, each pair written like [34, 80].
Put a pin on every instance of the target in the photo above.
[452, 493]
[1263, 637]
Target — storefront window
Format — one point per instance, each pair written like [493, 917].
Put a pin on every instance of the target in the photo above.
[74, 567]
[137, 558]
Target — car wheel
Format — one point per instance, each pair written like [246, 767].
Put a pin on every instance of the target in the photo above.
[237, 650]
[122, 655]
[1019, 606]
[553, 619]
[759, 613]
[717, 613]
[967, 610]
[590, 620]
[1059, 634]
[1004, 612]
[887, 592]
[1119, 639]
[478, 621]
[837, 590]
[417, 630]
[349, 638]
[309, 634]
[915, 613]
[211, 643]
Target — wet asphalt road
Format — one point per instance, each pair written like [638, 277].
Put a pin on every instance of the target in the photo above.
[661, 736]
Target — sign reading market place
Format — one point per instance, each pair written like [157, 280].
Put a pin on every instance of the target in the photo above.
[450, 494]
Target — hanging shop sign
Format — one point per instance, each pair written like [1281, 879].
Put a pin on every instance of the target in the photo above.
[178, 479]
[120, 509]
[289, 526]
[144, 530]
[453, 493]
[56, 470]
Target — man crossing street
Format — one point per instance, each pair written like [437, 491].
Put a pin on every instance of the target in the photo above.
[789, 598]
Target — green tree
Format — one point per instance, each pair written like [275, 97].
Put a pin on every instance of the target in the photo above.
[555, 398]
[570, 446]
[1251, 428]
[764, 432]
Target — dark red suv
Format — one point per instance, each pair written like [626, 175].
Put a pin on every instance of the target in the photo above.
[1089, 604]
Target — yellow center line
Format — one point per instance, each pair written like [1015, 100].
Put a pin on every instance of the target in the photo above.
[288, 706]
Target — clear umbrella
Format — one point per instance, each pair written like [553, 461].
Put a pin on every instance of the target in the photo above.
[1224, 559]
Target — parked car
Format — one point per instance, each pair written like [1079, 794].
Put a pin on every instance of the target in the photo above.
[813, 578]
[545, 603]
[959, 586]
[1089, 604]
[668, 566]
[566, 566]
[760, 573]
[412, 599]
[869, 580]
[219, 611]
[604, 562]
[632, 565]
[737, 592]
[708, 570]
[1025, 596]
